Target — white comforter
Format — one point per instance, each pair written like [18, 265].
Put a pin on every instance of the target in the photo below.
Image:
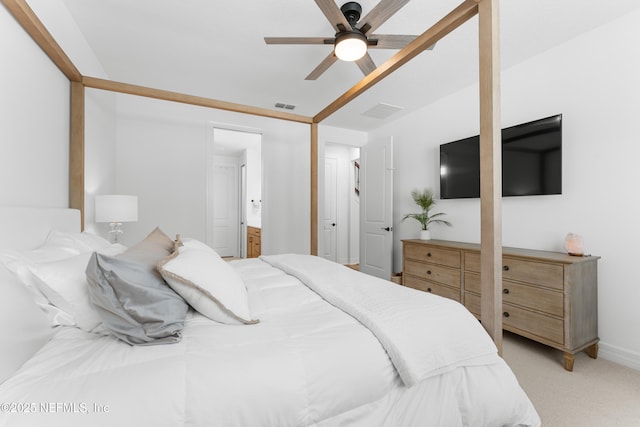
[307, 363]
[408, 324]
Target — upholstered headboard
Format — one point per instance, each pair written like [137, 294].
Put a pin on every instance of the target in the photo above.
[26, 227]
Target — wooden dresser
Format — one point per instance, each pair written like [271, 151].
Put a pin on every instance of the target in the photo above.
[253, 242]
[549, 297]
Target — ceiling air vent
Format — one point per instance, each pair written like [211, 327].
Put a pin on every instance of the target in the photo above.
[382, 111]
[285, 106]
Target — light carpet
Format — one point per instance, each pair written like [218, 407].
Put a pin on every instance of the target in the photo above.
[598, 393]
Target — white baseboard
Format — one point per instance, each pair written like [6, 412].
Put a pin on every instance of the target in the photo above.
[619, 355]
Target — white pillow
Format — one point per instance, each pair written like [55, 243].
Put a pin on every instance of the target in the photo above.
[64, 284]
[56, 316]
[195, 244]
[57, 246]
[208, 283]
[76, 242]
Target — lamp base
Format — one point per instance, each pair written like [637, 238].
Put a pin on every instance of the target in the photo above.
[116, 234]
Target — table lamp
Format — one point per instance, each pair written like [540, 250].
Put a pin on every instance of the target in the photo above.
[116, 209]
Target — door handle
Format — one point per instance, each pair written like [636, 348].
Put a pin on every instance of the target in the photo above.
[333, 224]
[387, 228]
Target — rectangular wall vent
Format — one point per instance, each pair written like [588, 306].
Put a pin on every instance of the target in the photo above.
[285, 106]
[382, 111]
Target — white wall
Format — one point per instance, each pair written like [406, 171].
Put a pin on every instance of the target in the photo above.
[160, 157]
[60, 23]
[593, 81]
[100, 153]
[253, 162]
[34, 134]
[34, 105]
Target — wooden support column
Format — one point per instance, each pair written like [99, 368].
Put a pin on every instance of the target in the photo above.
[490, 171]
[76, 150]
[314, 189]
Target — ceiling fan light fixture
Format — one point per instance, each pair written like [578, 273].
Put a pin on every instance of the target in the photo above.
[350, 46]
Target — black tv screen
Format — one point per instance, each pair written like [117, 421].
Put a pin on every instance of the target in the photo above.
[531, 161]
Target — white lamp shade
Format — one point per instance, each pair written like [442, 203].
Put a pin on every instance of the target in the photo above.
[116, 208]
[351, 47]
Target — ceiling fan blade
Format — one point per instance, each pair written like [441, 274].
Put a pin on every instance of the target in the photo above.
[379, 14]
[390, 41]
[298, 40]
[366, 64]
[322, 67]
[333, 14]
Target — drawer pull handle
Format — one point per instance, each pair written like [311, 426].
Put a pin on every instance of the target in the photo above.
[505, 314]
[505, 291]
[428, 254]
[428, 289]
[505, 268]
[428, 271]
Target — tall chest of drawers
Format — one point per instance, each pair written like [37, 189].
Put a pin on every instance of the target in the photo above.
[549, 297]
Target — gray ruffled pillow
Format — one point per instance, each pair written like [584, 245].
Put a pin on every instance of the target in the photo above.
[132, 299]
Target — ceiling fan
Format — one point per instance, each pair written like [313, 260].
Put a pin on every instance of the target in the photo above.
[353, 35]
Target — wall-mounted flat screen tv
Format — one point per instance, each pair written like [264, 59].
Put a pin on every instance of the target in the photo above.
[531, 161]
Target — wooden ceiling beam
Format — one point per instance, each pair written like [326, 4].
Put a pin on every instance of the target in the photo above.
[165, 95]
[36, 29]
[461, 14]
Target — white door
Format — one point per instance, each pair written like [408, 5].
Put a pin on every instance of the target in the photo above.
[329, 217]
[225, 207]
[376, 208]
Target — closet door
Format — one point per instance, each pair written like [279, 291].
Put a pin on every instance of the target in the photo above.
[376, 208]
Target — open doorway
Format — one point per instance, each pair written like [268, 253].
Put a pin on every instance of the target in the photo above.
[339, 221]
[234, 190]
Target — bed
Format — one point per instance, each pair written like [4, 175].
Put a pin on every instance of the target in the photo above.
[317, 344]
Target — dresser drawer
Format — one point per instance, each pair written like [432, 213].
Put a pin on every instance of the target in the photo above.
[472, 302]
[535, 323]
[538, 273]
[433, 254]
[433, 272]
[538, 324]
[536, 298]
[435, 288]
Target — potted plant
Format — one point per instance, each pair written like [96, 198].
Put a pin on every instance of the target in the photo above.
[424, 199]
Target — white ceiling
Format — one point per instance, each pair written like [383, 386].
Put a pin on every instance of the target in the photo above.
[215, 49]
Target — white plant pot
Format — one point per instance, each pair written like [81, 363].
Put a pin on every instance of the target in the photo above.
[425, 234]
